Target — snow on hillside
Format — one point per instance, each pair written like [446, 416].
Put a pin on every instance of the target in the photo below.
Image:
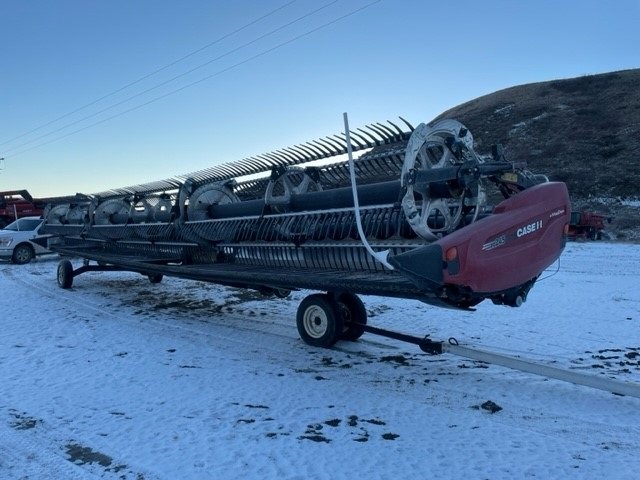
[118, 378]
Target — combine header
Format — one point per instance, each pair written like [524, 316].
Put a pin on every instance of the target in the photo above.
[415, 217]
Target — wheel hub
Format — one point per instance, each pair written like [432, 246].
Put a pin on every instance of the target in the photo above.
[315, 321]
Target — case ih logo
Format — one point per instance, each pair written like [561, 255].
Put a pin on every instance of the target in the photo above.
[527, 229]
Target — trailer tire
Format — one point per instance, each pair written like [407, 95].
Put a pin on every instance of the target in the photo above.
[65, 274]
[354, 316]
[155, 277]
[319, 321]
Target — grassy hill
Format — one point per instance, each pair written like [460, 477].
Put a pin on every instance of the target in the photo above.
[584, 131]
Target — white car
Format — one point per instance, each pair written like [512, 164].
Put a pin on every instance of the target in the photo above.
[15, 240]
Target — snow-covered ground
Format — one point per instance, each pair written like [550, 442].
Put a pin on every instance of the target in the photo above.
[119, 378]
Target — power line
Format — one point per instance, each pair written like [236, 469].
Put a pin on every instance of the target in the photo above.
[75, 122]
[218, 40]
[219, 72]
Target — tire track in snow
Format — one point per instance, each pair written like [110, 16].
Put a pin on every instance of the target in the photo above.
[188, 325]
[25, 457]
[198, 322]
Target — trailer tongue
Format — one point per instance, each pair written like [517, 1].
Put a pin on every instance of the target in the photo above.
[452, 347]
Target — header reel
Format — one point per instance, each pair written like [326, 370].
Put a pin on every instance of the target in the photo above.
[413, 187]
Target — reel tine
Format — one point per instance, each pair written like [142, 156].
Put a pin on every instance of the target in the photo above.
[327, 152]
[315, 149]
[308, 156]
[274, 160]
[299, 158]
[365, 142]
[227, 169]
[211, 173]
[267, 163]
[330, 148]
[383, 134]
[343, 141]
[249, 166]
[392, 135]
[291, 158]
[286, 159]
[332, 175]
[341, 148]
[372, 128]
[310, 153]
[237, 169]
[204, 175]
[245, 166]
[217, 175]
[368, 168]
[375, 140]
[277, 160]
[402, 134]
[259, 165]
[407, 123]
[262, 164]
[199, 175]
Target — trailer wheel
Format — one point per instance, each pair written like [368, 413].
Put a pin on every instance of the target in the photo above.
[155, 277]
[65, 274]
[319, 321]
[354, 315]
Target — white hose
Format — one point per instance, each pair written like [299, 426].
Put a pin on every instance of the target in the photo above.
[379, 256]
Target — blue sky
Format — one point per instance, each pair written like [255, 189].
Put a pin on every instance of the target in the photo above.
[409, 58]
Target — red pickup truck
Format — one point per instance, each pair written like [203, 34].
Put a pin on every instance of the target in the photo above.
[17, 204]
